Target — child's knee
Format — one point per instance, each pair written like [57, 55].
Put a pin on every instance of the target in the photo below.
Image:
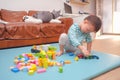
[63, 35]
[63, 38]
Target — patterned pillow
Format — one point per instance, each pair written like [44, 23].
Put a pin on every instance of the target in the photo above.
[45, 16]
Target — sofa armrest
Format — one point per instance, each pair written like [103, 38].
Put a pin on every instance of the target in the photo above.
[2, 30]
[68, 22]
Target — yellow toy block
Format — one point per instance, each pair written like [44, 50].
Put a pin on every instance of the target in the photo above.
[33, 67]
[16, 61]
[45, 62]
[31, 72]
[76, 58]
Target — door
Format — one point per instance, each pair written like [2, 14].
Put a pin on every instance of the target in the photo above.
[107, 16]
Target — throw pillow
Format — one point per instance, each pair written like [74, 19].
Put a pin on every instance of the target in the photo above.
[55, 21]
[31, 19]
[3, 22]
[45, 16]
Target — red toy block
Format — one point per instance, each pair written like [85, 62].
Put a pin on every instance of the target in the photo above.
[80, 55]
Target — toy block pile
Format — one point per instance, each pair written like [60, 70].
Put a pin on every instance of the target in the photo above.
[38, 60]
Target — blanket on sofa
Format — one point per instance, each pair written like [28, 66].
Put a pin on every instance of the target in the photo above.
[22, 30]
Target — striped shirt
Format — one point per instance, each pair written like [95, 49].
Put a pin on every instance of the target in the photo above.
[76, 36]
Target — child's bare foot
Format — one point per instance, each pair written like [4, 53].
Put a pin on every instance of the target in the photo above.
[59, 53]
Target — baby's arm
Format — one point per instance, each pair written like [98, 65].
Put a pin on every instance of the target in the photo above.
[84, 50]
[89, 45]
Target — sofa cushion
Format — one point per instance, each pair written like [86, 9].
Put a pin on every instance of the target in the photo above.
[52, 29]
[32, 12]
[22, 30]
[12, 16]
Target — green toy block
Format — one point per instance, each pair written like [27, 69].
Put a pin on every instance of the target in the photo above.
[60, 69]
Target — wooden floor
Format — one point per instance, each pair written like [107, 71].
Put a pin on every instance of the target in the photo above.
[108, 44]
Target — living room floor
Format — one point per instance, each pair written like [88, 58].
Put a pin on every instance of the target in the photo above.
[108, 44]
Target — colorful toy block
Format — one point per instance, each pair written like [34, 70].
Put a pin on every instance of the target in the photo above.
[35, 49]
[31, 72]
[52, 48]
[95, 57]
[62, 63]
[76, 58]
[81, 56]
[60, 69]
[41, 70]
[28, 62]
[70, 53]
[67, 62]
[15, 70]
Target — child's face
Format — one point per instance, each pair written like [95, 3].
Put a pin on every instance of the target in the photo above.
[87, 27]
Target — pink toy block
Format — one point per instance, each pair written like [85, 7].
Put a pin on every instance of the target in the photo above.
[41, 70]
[18, 65]
[24, 54]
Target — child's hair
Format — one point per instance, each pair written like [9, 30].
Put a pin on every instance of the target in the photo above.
[95, 21]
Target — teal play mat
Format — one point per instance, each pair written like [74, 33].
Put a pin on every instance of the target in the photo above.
[77, 70]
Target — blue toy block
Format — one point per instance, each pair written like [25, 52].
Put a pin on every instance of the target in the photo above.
[62, 62]
[26, 58]
[15, 70]
[71, 54]
[35, 51]
[95, 57]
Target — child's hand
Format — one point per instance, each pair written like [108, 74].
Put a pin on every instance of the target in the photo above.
[85, 51]
[59, 53]
[87, 54]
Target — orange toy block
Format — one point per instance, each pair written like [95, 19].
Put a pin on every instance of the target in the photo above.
[67, 62]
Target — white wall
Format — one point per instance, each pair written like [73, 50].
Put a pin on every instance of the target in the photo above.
[31, 4]
[44, 5]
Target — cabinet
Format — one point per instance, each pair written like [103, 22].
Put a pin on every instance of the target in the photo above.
[79, 2]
